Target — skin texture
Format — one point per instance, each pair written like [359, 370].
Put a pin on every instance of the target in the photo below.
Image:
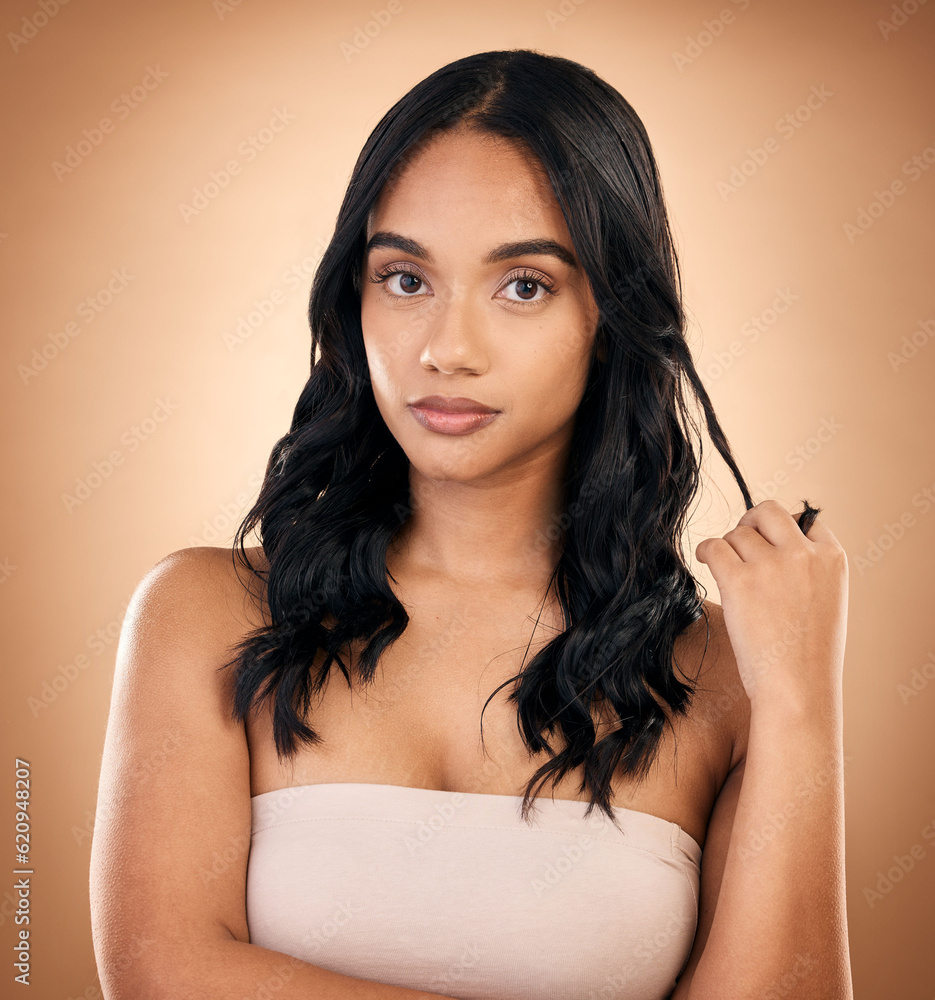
[171, 838]
[462, 329]
[478, 498]
[780, 921]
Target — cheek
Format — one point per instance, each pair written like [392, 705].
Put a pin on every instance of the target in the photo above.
[576, 347]
[392, 357]
[384, 352]
[384, 384]
[559, 372]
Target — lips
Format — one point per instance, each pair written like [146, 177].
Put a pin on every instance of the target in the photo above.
[452, 404]
[452, 414]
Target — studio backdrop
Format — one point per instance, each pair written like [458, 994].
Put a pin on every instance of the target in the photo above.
[171, 176]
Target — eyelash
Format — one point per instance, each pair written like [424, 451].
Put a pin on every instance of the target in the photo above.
[379, 277]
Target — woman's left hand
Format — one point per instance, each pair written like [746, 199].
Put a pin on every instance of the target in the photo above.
[784, 599]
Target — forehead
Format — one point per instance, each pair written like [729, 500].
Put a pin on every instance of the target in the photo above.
[470, 181]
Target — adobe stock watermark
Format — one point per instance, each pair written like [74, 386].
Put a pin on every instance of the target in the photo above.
[439, 817]
[914, 168]
[130, 439]
[429, 654]
[31, 26]
[316, 939]
[272, 808]
[222, 7]
[645, 951]
[294, 277]
[561, 522]
[752, 330]
[554, 871]
[787, 127]
[137, 945]
[782, 987]
[247, 151]
[912, 344]
[799, 456]
[446, 983]
[624, 288]
[228, 515]
[776, 821]
[90, 992]
[735, 692]
[779, 652]
[365, 33]
[7, 569]
[87, 310]
[649, 948]
[429, 313]
[919, 680]
[899, 15]
[121, 106]
[565, 9]
[55, 685]
[711, 30]
[143, 770]
[902, 865]
[235, 852]
[893, 531]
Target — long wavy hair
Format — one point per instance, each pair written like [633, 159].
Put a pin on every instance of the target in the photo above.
[336, 488]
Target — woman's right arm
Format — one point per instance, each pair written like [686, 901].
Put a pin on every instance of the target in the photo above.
[172, 830]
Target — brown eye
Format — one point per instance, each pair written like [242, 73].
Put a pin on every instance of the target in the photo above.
[409, 282]
[525, 288]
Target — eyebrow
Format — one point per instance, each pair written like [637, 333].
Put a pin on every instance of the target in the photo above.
[505, 251]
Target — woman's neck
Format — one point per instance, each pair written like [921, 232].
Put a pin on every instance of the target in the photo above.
[482, 531]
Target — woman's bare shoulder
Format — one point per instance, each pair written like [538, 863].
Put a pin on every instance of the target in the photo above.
[171, 738]
[199, 560]
[218, 584]
[179, 639]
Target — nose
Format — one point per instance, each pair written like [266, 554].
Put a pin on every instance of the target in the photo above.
[454, 336]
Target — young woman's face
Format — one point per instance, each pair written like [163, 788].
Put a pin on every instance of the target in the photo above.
[454, 305]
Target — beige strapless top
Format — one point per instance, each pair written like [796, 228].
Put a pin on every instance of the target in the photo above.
[454, 893]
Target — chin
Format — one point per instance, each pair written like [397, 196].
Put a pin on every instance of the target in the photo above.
[448, 458]
[453, 467]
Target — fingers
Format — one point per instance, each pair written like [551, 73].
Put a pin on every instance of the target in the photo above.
[807, 517]
[739, 545]
[719, 556]
[765, 525]
[818, 532]
[774, 523]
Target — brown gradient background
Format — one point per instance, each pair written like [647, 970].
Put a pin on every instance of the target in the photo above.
[68, 575]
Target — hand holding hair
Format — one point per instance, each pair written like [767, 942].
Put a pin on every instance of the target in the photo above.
[784, 597]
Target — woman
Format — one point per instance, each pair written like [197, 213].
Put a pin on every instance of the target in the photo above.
[476, 518]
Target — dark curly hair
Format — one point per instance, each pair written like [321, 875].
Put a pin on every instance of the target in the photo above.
[336, 488]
